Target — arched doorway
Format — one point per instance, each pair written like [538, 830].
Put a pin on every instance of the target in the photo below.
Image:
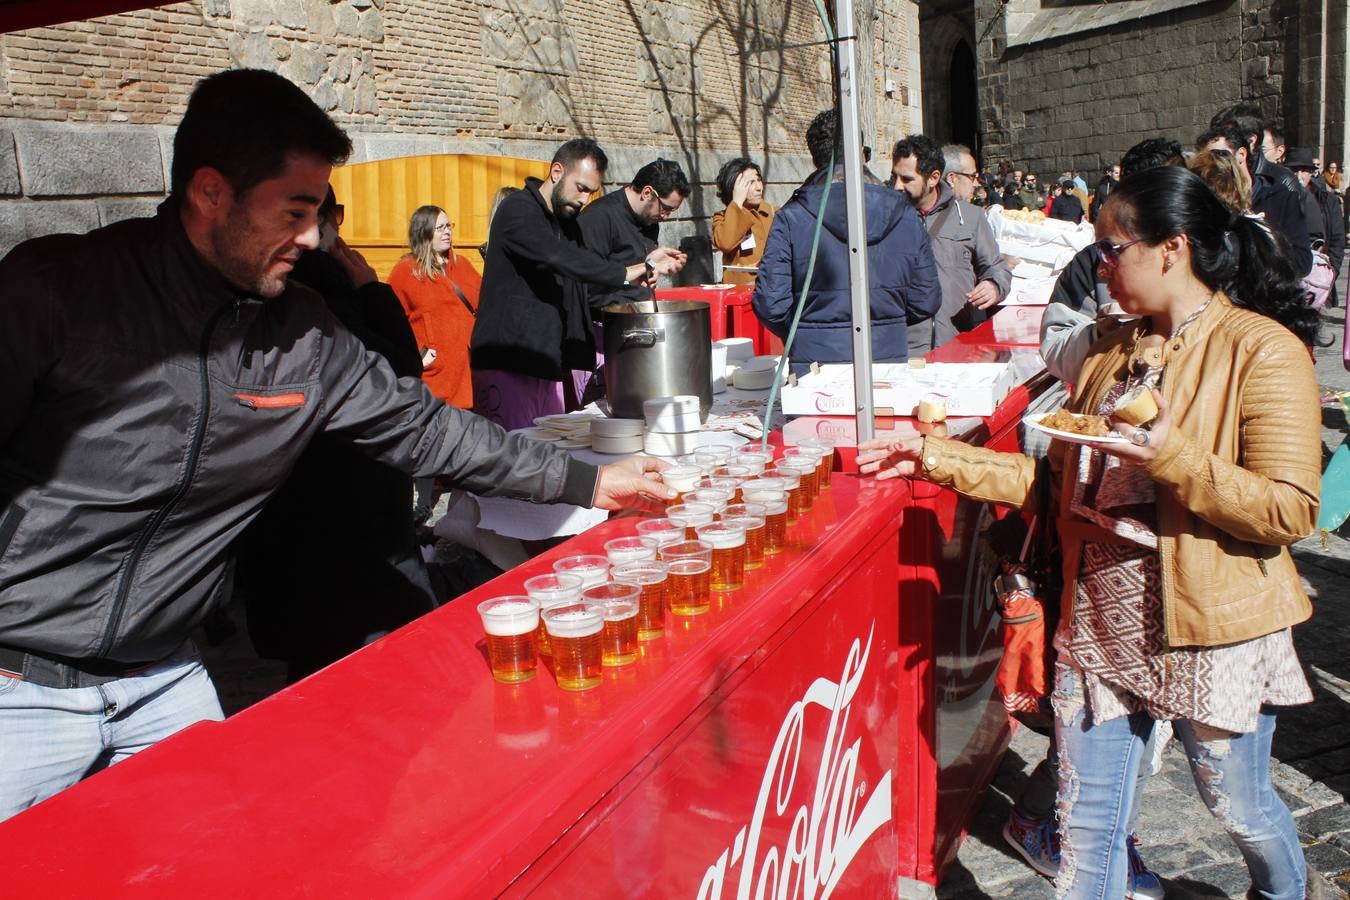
[965, 107]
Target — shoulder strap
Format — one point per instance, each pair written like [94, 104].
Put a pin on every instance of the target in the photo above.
[460, 294]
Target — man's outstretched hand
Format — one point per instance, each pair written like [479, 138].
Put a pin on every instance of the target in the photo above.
[632, 483]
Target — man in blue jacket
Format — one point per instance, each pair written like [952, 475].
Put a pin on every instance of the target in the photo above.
[902, 275]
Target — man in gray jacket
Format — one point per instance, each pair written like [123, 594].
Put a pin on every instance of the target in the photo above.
[161, 379]
[973, 274]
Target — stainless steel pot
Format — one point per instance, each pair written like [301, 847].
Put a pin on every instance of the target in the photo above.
[657, 350]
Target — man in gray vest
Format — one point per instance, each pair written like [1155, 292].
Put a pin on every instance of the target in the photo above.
[972, 272]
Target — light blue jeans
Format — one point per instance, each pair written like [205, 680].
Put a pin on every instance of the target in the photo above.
[1098, 765]
[50, 738]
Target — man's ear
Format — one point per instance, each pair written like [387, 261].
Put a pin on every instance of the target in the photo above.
[555, 172]
[209, 193]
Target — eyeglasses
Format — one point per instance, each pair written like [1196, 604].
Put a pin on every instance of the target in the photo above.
[666, 208]
[448, 226]
[1111, 252]
[971, 175]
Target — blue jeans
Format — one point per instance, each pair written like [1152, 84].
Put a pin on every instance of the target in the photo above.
[50, 738]
[1098, 765]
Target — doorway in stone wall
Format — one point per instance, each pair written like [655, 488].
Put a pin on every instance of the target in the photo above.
[965, 109]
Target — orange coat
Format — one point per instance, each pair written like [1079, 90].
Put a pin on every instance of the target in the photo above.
[729, 228]
[441, 323]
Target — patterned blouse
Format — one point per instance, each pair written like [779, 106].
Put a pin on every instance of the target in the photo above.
[1116, 640]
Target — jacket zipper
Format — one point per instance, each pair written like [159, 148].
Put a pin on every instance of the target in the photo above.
[194, 452]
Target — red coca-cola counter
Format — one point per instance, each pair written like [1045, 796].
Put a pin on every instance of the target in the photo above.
[827, 729]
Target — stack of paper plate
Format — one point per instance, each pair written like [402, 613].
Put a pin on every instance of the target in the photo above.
[617, 435]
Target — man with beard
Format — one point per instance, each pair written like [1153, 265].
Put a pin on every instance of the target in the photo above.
[533, 349]
[971, 269]
[625, 224]
[162, 378]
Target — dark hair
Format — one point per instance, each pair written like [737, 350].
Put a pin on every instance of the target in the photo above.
[1276, 134]
[823, 138]
[328, 205]
[1067, 185]
[1246, 118]
[1229, 132]
[243, 122]
[926, 152]
[727, 175]
[1151, 153]
[577, 149]
[662, 176]
[1237, 254]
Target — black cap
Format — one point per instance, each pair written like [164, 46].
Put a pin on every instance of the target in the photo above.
[1299, 158]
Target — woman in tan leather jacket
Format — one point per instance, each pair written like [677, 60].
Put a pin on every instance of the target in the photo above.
[1179, 587]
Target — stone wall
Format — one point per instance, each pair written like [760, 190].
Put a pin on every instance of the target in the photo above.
[1073, 89]
[90, 106]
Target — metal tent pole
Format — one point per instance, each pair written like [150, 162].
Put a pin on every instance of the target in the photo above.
[857, 218]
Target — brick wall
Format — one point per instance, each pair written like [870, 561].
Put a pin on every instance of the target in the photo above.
[1080, 100]
[90, 106]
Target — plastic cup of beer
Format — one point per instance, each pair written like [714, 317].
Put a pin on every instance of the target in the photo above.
[690, 516]
[651, 577]
[728, 554]
[753, 526]
[792, 479]
[663, 531]
[714, 497]
[510, 624]
[817, 457]
[575, 629]
[736, 470]
[775, 504]
[826, 457]
[630, 549]
[753, 458]
[549, 591]
[809, 465]
[619, 635]
[591, 569]
[681, 478]
[712, 457]
[806, 476]
[688, 577]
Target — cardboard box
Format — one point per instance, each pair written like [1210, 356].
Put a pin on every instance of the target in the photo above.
[970, 389]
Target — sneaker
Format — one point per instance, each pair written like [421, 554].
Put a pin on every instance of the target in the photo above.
[1144, 885]
[1036, 840]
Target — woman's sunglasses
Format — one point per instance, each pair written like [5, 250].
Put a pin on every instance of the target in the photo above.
[1111, 252]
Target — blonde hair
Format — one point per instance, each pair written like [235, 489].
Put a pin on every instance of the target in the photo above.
[427, 263]
[1226, 177]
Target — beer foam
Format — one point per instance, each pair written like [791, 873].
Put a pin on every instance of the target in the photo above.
[681, 478]
[723, 539]
[575, 623]
[692, 519]
[774, 502]
[509, 619]
[618, 610]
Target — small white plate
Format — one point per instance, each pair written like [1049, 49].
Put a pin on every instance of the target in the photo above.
[1034, 421]
[538, 434]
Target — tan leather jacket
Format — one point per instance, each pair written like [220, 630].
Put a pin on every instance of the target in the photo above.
[1238, 474]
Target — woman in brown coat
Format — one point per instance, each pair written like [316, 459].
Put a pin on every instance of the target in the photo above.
[1180, 591]
[740, 230]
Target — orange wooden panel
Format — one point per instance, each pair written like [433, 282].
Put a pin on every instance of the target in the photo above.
[380, 198]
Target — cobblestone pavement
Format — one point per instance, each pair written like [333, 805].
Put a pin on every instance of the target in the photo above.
[1180, 840]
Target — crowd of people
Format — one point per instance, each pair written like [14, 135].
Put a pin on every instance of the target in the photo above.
[223, 419]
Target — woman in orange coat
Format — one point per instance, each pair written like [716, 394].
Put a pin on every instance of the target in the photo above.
[741, 229]
[439, 293]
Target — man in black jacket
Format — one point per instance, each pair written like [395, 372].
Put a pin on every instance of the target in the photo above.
[161, 379]
[625, 224]
[533, 348]
[1275, 190]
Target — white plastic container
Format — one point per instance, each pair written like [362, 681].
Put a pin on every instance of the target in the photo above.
[756, 374]
[623, 444]
[672, 415]
[719, 369]
[739, 349]
[617, 428]
[670, 443]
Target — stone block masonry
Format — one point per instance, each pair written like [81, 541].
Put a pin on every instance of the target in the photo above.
[89, 107]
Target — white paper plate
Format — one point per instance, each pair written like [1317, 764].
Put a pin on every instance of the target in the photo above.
[1034, 421]
[538, 434]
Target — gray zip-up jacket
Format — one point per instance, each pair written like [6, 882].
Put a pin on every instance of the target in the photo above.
[966, 254]
[150, 410]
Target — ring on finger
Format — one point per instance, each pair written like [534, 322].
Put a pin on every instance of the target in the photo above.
[1139, 437]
